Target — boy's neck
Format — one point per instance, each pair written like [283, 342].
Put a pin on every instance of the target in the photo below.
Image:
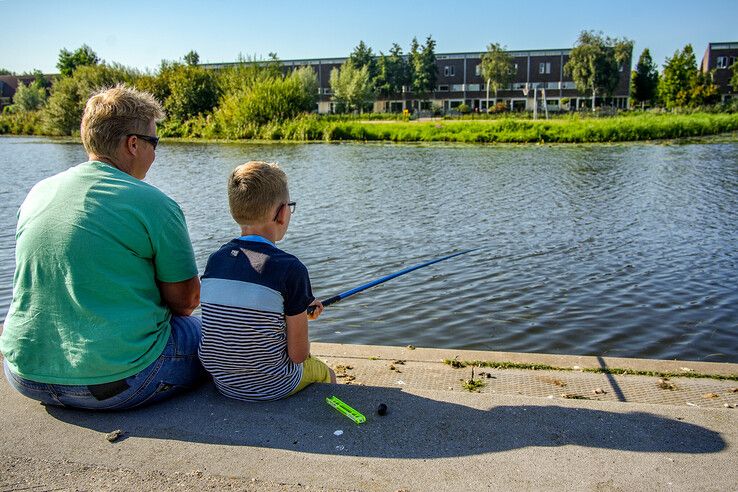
[267, 231]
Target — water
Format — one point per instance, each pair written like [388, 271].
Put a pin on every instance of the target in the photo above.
[622, 250]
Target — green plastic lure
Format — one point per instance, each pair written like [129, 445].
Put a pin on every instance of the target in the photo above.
[346, 410]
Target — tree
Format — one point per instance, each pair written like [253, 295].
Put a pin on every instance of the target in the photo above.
[498, 69]
[679, 70]
[351, 86]
[62, 114]
[594, 63]
[644, 80]
[4, 71]
[191, 90]
[29, 97]
[362, 56]
[394, 73]
[734, 78]
[423, 66]
[70, 61]
[192, 58]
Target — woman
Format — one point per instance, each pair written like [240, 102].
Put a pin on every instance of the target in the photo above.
[105, 278]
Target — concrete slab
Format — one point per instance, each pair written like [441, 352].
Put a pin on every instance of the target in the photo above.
[433, 437]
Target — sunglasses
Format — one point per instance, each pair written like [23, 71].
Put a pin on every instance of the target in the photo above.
[292, 206]
[154, 141]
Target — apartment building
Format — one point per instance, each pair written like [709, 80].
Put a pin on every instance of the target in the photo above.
[539, 81]
[720, 57]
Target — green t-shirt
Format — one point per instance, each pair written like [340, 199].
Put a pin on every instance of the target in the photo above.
[90, 245]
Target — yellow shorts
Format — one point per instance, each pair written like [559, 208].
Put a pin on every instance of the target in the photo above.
[313, 371]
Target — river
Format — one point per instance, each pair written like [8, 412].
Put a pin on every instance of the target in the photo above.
[624, 250]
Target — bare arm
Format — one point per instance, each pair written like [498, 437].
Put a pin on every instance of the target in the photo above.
[181, 297]
[298, 343]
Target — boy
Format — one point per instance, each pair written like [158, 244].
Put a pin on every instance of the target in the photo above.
[255, 297]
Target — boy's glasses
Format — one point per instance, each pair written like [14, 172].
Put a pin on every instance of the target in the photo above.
[292, 206]
[154, 141]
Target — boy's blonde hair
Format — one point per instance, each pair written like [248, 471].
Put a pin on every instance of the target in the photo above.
[254, 189]
[114, 113]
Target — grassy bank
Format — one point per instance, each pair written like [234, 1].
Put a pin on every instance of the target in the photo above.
[627, 127]
[513, 130]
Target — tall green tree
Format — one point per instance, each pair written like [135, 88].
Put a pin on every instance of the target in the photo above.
[734, 78]
[351, 86]
[29, 97]
[644, 80]
[69, 61]
[192, 58]
[498, 68]
[394, 73]
[682, 84]
[595, 61]
[679, 70]
[5, 71]
[423, 66]
[362, 56]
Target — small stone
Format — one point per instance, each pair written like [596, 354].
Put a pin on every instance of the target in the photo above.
[411, 347]
[599, 391]
[711, 395]
[115, 435]
[382, 409]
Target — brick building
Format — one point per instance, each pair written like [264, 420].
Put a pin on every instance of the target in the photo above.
[720, 57]
[539, 77]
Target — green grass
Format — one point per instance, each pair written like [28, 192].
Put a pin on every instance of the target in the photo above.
[627, 127]
[457, 364]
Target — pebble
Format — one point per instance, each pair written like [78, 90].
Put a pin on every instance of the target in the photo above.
[382, 409]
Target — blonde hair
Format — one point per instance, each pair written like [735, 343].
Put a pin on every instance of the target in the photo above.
[113, 113]
[254, 189]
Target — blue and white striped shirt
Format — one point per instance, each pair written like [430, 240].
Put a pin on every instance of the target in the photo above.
[248, 287]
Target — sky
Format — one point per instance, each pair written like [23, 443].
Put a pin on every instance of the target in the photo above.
[141, 34]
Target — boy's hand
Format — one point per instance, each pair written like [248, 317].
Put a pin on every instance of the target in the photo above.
[317, 306]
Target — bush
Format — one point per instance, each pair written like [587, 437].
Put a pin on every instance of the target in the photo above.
[271, 100]
[63, 112]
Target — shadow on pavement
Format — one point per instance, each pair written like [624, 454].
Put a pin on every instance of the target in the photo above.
[414, 427]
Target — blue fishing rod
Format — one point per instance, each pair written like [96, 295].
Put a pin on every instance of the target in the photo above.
[368, 285]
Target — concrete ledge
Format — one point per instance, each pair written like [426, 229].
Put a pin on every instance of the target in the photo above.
[563, 361]
[436, 436]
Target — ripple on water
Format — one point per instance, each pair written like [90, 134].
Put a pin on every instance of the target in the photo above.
[622, 250]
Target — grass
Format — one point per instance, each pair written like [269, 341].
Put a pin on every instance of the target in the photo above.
[457, 364]
[626, 127]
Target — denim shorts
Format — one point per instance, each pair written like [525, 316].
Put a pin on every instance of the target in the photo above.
[176, 370]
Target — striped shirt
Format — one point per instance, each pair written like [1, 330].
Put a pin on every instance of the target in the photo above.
[248, 287]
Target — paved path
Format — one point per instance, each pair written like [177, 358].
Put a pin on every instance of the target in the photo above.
[526, 429]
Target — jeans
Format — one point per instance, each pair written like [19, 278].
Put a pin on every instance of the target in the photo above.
[176, 370]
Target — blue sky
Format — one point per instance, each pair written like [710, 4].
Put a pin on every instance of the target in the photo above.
[141, 34]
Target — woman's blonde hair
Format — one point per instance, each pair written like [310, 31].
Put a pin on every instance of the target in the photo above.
[114, 113]
[254, 189]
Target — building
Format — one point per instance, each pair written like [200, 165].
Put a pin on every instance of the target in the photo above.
[720, 57]
[540, 80]
[9, 84]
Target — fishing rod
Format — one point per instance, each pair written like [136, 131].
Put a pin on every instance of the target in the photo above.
[368, 285]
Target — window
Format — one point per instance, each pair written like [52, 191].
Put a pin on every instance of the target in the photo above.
[457, 87]
[474, 87]
[442, 88]
[478, 70]
[544, 67]
[722, 62]
[448, 71]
